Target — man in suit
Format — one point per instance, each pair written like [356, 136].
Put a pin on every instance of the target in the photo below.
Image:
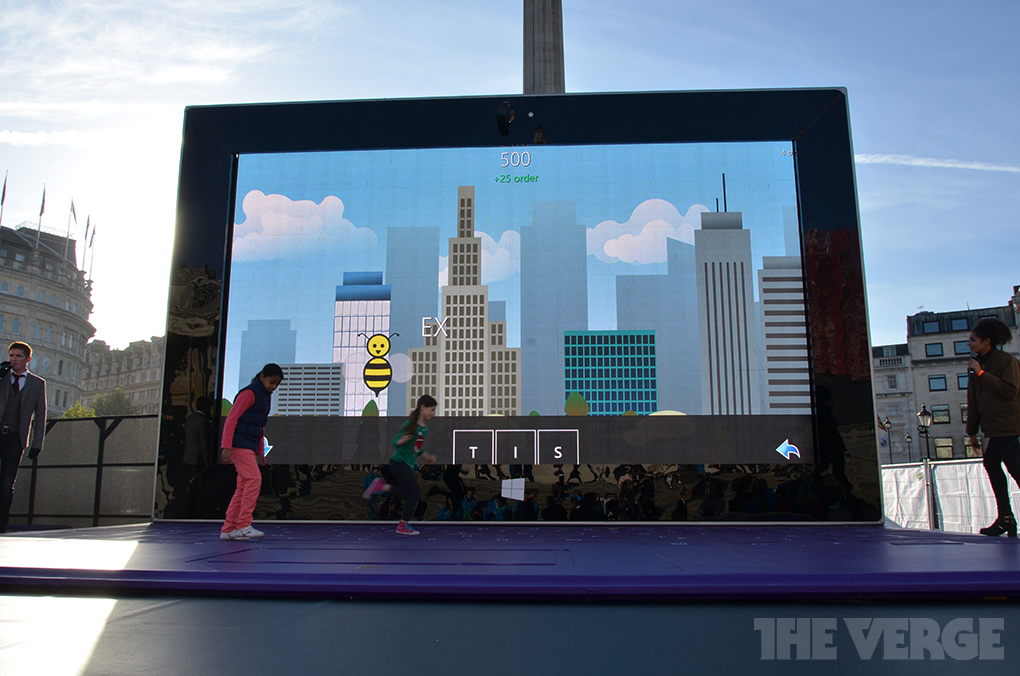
[22, 410]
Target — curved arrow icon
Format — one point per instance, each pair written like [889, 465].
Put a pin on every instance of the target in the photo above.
[786, 449]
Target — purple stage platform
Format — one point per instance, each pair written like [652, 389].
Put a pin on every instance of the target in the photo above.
[516, 563]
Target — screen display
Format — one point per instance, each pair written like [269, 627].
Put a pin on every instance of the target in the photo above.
[626, 303]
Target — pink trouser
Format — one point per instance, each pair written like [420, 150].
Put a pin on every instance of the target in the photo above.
[249, 481]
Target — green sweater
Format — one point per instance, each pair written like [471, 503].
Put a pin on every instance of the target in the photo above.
[408, 453]
[993, 402]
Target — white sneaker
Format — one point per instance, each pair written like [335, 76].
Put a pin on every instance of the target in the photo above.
[233, 535]
[251, 532]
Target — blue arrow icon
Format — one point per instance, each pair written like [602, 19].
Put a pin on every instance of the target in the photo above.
[786, 449]
[266, 447]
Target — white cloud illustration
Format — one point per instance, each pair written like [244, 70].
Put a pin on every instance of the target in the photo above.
[277, 227]
[642, 239]
[500, 260]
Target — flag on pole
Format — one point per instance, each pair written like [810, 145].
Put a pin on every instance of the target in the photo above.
[93, 235]
[3, 198]
[42, 208]
[74, 215]
[88, 220]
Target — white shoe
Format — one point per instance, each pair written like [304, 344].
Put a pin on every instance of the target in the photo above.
[234, 535]
[251, 532]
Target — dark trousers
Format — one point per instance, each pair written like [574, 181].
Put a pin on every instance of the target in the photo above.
[406, 488]
[10, 459]
[1002, 451]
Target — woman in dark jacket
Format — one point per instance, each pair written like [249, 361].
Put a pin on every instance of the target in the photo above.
[993, 406]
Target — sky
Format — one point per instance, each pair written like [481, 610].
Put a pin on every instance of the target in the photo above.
[93, 97]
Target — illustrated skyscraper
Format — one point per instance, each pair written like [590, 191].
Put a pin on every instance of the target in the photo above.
[554, 300]
[465, 362]
[667, 305]
[730, 363]
[784, 324]
[310, 389]
[613, 370]
[265, 341]
[412, 271]
[362, 309]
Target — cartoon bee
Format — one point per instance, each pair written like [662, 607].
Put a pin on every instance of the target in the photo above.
[378, 373]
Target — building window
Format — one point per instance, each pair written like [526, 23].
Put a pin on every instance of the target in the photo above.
[41, 297]
[944, 447]
[960, 347]
[940, 414]
[3, 323]
[963, 412]
[933, 350]
[937, 383]
[49, 334]
[890, 382]
[16, 327]
[930, 327]
[959, 324]
[20, 291]
[961, 381]
[5, 287]
[53, 301]
[889, 351]
[38, 332]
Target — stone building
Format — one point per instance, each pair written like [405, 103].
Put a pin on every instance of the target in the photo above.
[930, 370]
[45, 301]
[895, 402]
[137, 370]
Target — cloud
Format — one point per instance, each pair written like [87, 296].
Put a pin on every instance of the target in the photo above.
[642, 239]
[94, 50]
[500, 260]
[911, 161]
[277, 227]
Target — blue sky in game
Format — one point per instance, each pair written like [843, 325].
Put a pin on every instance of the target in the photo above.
[305, 219]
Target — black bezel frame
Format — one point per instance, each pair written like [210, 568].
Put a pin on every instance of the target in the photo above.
[815, 121]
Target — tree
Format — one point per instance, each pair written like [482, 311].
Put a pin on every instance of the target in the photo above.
[576, 405]
[79, 411]
[113, 403]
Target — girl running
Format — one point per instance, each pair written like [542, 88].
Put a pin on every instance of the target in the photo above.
[407, 443]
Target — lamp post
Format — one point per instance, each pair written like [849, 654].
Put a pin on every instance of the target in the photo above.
[909, 439]
[887, 425]
[923, 423]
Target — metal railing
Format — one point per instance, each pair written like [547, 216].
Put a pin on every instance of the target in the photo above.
[91, 472]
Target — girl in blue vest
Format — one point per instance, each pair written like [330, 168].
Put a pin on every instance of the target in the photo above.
[243, 446]
[407, 443]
